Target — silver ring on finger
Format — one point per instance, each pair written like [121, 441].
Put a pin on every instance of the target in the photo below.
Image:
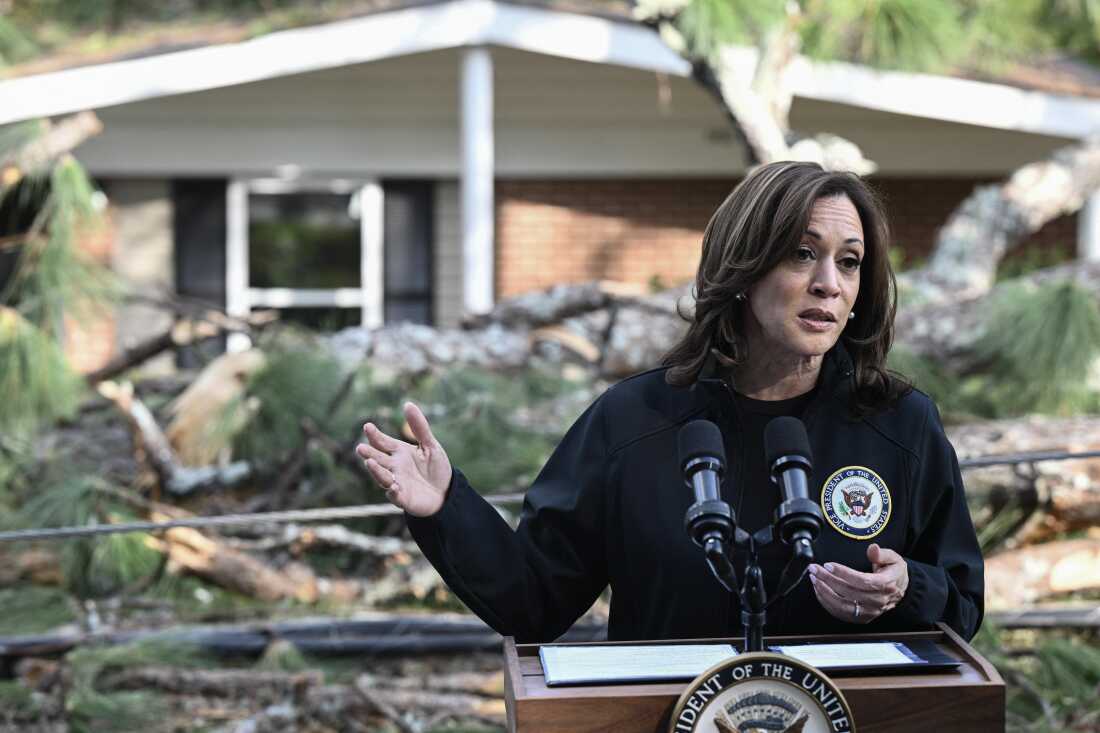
[855, 610]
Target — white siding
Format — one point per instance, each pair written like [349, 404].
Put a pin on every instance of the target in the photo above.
[903, 145]
[400, 117]
[141, 211]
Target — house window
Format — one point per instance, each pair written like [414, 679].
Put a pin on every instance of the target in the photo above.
[331, 254]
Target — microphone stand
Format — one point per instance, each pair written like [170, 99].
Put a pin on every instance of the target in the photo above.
[715, 526]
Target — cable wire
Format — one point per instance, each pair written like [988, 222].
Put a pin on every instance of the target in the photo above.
[379, 510]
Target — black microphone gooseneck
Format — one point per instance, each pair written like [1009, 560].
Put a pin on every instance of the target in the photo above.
[709, 521]
[798, 518]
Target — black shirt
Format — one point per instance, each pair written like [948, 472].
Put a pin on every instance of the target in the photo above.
[755, 416]
[755, 499]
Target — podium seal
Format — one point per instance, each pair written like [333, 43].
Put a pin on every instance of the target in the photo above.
[760, 692]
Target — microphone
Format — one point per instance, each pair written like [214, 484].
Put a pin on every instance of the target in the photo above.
[709, 521]
[787, 449]
[702, 458]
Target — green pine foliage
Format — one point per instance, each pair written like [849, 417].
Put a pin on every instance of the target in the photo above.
[294, 385]
[93, 711]
[30, 609]
[707, 25]
[478, 416]
[923, 373]
[1038, 354]
[36, 384]
[903, 34]
[1052, 689]
[1074, 26]
[15, 46]
[52, 284]
[53, 278]
[1040, 346]
[93, 567]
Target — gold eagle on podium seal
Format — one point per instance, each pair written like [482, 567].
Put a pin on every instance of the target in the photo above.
[761, 692]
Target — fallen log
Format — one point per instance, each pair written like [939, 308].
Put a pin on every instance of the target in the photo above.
[249, 683]
[302, 537]
[556, 304]
[154, 450]
[373, 634]
[1057, 496]
[490, 684]
[379, 703]
[182, 333]
[55, 139]
[1029, 574]
[38, 566]
[1060, 616]
[191, 550]
[450, 703]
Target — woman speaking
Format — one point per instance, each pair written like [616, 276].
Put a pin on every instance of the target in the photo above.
[794, 316]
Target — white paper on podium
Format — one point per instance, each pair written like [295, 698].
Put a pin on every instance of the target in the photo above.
[563, 665]
[863, 654]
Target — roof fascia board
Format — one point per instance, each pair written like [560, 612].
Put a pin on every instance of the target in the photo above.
[945, 98]
[384, 35]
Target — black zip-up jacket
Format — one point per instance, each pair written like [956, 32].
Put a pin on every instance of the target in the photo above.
[608, 508]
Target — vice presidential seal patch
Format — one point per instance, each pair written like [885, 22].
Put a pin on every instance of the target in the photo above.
[856, 502]
[761, 692]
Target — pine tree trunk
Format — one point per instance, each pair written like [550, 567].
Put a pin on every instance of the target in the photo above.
[994, 218]
[1029, 574]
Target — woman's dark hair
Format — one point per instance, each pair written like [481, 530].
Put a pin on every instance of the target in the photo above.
[759, 225]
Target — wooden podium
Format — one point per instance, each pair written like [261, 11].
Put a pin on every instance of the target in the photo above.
[968, 699]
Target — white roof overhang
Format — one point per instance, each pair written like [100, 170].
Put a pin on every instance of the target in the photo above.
[380, 36]
[460, 23]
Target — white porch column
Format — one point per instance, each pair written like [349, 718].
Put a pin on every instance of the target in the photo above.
[371, 278]
[237, 303]
[476, 180]
[1088, 230]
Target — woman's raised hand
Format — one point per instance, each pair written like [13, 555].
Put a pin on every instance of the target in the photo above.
[415, 477]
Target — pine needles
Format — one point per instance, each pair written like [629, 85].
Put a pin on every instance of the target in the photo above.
[1039, 353]
[92, 567]
[1040, 346]
[92, 711]
[36, 383]
[52, 286]
[1055, 687]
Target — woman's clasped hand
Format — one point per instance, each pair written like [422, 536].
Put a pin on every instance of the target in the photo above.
[850, 595]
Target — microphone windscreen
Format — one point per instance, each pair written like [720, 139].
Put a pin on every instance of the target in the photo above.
[786, 436]
[700, 438]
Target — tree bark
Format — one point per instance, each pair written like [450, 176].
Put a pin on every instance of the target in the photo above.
[1029, 574]
[57, 139]
[245, 683]
[995, 218]
[154, 450]
[190, 550]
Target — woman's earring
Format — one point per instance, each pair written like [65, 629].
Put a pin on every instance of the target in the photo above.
[739, 296]
[851, 315]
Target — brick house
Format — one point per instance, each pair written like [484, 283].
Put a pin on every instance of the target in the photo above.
[431, 158]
